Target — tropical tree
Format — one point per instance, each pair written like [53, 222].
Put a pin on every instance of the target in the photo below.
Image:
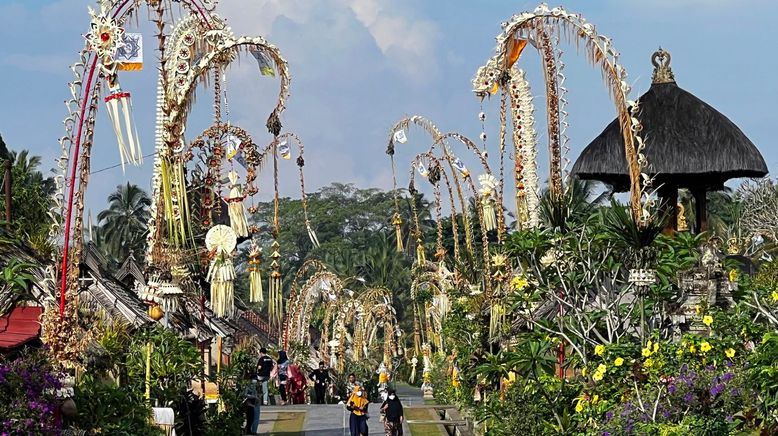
[31, 197]
[122, 227]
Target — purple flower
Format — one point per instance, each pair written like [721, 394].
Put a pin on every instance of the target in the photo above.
[727, 376]
[609, 415]
[606, 433]
[666, 414]
[715, 390]
[729, 418]
[671, 389]
[710, 367]
[684, 368]
[688, 397]
[728, 363]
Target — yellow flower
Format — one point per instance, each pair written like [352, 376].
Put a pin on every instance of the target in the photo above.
[648, 363]
[598, 350]
[583, 372]
[692, 348]
[646, 352]
[732, 275]
[707, 320]
[656, 347]
[705, 347]
[619, 361]
[698, 309]
[598, 376]
[775, 296]
[729, 352]
[602, 368]
[519, 282]
[595, 398]
[579, 407]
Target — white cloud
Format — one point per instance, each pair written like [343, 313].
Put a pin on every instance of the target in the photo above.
[409, 44]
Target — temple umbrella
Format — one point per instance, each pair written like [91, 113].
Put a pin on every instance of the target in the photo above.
[689, 145]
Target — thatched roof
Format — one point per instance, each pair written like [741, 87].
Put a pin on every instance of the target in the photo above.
[688, 142]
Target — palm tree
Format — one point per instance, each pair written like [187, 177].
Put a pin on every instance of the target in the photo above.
[576, 204]
[123, 225]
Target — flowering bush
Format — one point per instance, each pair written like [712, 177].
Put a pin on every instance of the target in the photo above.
[28, 402]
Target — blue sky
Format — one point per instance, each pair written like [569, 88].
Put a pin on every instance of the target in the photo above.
[358, 66]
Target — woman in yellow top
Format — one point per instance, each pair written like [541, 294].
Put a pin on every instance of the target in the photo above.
[357, 405]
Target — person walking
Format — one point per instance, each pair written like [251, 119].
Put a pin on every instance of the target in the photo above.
[282, 365]
[357, 404]
[393, 414]
[297, 384]
[321, 378]
[264, 368]
[251, 408]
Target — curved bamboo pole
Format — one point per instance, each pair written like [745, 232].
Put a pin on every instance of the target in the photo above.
[600, 52]
[435, 133]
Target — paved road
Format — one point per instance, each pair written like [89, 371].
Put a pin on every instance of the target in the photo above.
[332, 420]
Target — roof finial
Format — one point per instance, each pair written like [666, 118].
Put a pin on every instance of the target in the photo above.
[662, 71]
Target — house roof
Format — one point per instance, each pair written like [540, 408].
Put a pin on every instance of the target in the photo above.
[19, 326]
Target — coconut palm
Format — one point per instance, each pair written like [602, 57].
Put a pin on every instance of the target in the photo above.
[123, 226]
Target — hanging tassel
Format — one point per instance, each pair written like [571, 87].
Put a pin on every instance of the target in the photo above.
[120, 112]
[414, 362]
[490, 218]
[312, 235]
[397, 221]
[420, 256]
[496, 319]
[274, 297]
[236, 209]
[221, 274]
[256, 294]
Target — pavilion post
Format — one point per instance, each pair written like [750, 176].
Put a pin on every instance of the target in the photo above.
[700, 209]
[669, 195]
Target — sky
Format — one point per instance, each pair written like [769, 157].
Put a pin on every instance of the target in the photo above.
[358, 66]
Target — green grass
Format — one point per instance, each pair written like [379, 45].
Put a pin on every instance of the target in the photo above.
[422, 429]
[289, 423]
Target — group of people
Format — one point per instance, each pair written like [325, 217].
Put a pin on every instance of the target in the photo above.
[290, 380]
[292, 385]
[288, 377]
[358, 403]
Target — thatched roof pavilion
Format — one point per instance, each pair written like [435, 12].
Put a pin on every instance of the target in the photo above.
[689, 144]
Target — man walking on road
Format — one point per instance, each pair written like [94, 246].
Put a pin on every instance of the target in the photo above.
[321, 378]
[264, 368]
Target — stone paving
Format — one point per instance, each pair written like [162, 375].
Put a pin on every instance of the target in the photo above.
[332, 419]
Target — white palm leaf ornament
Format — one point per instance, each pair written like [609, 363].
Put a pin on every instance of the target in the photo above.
[487, 191]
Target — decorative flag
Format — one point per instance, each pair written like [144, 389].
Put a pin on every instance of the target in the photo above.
[515, 47]
[265, 66]
[422, 169]
[283, 149]
[461, 167]
[129, 54]
[399, 136]
[233, 145]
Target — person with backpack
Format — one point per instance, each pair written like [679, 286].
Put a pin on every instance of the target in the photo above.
[264, 368]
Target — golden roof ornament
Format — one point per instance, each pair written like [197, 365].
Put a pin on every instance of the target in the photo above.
[662, 71]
